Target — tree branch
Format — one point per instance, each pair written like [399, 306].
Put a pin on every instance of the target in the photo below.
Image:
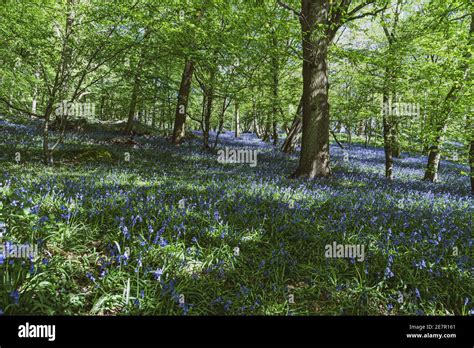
[366, 14]
[287, 7]
[19, 109]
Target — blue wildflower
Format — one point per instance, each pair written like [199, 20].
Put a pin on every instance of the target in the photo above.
[90, 276]
[158, 273]
[388, 272]
[417, 293]
[15, 295]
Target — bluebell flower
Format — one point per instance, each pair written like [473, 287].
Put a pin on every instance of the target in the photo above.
[244, 290]
[227, 305]
[15, 295]
[90, 276]
[163, 242]
[125, 231]
[185, 308]
[388, 272]
[390, 259]
[417, 293]
[158, 273]
[421, 264]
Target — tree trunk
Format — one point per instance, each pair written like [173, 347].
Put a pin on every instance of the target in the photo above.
[397, 151]
[470, 127]
[387, 137]
[275, 101]
[181, 107]
[275, 133]
[289, 144]
[367, 131]
[101, 107]
[35, 96]
[237, 119]
[47, 154]
[207, 116]
[60, 82]
[267, 128]
[133, 100]
[434, 156]
[254, 118]
[221, 121]
[314, 156]
[471, 163]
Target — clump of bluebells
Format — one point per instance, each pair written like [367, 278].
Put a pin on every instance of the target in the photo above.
[175, 232]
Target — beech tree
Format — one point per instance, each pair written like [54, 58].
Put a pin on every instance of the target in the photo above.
[320, 21]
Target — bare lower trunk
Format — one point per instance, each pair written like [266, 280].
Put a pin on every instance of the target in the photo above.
[367, 131]
[133, 102]
[275, 133]
[434, 156]
[47, 153]
[267, 129]
[289, 145]
[254, 117]
[221, 121]
[237, 119]
[207, 119]
[182, 105]
[397, 151]
[35, 96]
[471, 164]
[387, 139]
[314, 156]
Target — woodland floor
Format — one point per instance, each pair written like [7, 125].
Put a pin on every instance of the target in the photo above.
[158, 234]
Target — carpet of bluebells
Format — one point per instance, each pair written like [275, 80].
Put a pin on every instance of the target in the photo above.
[173, 232]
